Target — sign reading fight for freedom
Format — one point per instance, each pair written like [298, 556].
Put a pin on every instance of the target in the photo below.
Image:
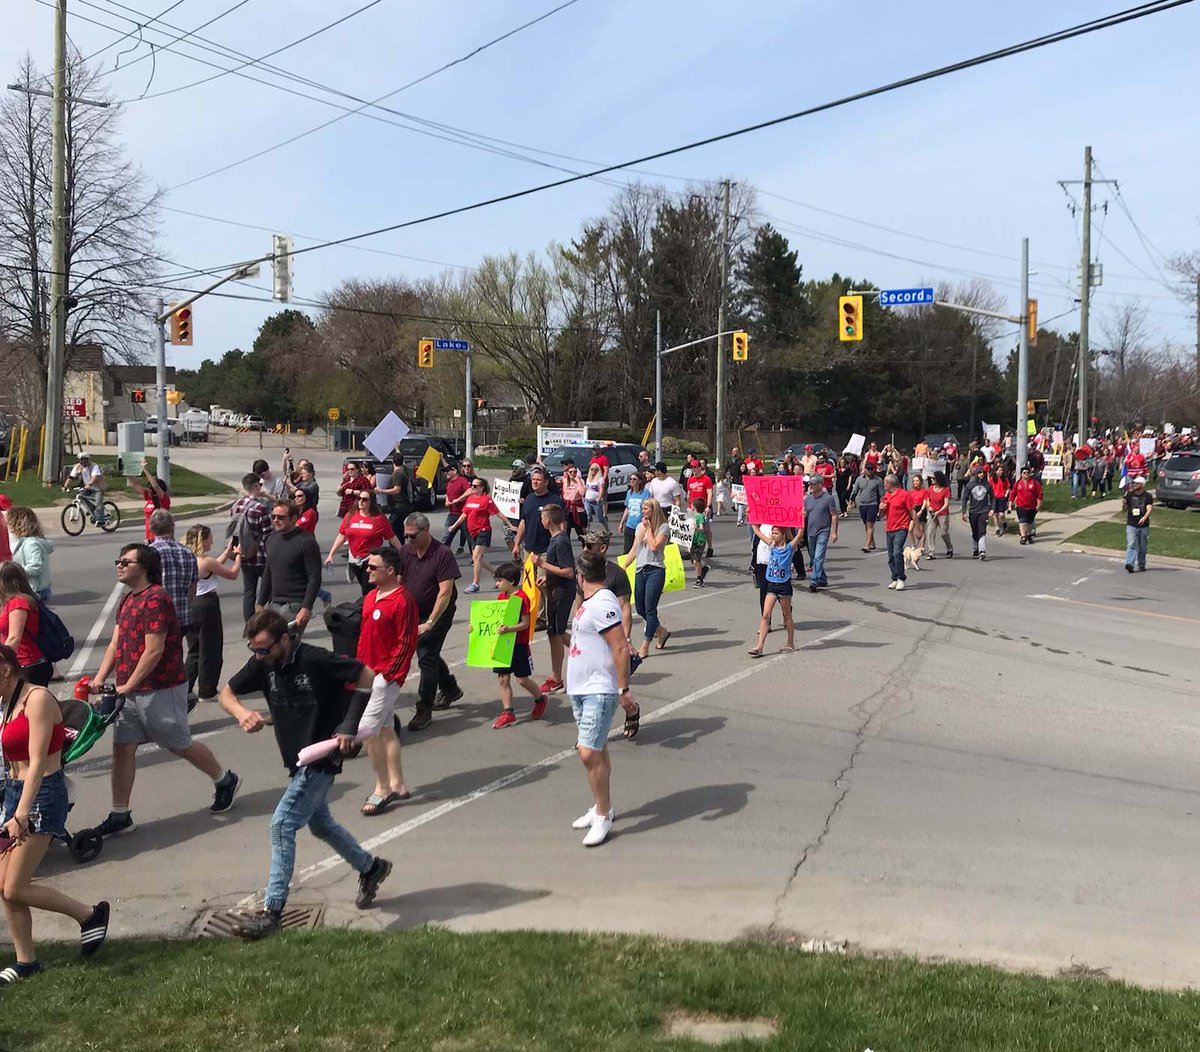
[487, 648]
[904, 297]
[775, 500]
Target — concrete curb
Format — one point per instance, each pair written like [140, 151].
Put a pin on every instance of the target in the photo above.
[1117, 553]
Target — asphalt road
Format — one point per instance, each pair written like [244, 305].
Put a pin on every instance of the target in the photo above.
[999, 763]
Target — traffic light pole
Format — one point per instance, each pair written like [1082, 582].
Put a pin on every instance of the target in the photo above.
[160, 376]
[1023, 364]
[719, 423]
[469, 411]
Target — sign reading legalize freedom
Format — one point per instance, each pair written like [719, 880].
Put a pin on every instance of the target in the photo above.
[486, 647]
[506, 495]
[775, 500]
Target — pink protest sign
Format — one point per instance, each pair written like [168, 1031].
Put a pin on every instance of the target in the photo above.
[775, 500]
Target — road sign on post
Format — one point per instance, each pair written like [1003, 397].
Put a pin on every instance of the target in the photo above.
[75, 407]
[334, 413]
[905, 297]
[451, 345]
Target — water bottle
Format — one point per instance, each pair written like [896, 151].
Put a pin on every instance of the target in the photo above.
[108, 700]
[82, 686]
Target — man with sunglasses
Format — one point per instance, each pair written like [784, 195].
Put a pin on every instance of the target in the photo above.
[145, 657]
[305, 688]
[292, 575]
[458, 489]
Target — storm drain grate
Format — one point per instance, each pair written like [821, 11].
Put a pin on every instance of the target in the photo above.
[295, 918]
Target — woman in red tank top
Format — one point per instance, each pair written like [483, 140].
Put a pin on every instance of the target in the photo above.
[34, 813]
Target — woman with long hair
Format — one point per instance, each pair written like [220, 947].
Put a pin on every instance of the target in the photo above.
[364, 528]
[35, 812]
[571, 489]
[19, 622]
[32, 550]
[477, 514]
[635, 497]
[206, 638]
[650, 576]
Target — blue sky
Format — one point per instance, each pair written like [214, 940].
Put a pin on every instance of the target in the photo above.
[972, 159]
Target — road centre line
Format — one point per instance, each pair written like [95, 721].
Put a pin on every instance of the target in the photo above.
[388, 835]
[1118, 609]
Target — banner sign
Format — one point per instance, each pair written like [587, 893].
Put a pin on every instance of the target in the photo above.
[682, 527]
[775, 500]
[487, 648]
[506, 495]
[550, 438]
[738, 494]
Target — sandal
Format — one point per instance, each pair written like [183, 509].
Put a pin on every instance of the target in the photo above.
[755, 653]
[377, 805]
[662, 642]
[864, 549]
[632, 722]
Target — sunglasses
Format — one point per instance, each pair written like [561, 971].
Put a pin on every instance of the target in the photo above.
[412, 536]
[373, 566]
[279, 518]
[125, 562]
[261, 651]
[364, 500]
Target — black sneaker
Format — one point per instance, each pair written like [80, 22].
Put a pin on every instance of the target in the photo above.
[421, 719]
[93, 931]
[226, 792]
[950, 555]
[259, 925]
[115, 823]
[704, 570]
[14, 973]
[448, 697]
[368, 882]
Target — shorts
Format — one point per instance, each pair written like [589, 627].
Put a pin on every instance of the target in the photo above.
[522, 663]
[1000, 505]
[158, 716]
[558, 610]
[868, 512]
[783, 589]
[1025, 516]
[381, 707]
[49, 811]
[593, 716]
[698, 549]
[483, 539]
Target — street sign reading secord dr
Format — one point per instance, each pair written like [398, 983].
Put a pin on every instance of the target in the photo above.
[905, 297]
[451, 345]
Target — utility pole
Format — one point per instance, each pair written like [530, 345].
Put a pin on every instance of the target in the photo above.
[55, 362]
[160, 376]
[658, 399]
[1023, 363]
[469, 410]
[1085, 292]
[1198, 326]
[719, 427]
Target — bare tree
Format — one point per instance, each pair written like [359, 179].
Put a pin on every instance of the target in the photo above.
[111, 221]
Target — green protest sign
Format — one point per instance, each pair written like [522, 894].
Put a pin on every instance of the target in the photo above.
[487, 648]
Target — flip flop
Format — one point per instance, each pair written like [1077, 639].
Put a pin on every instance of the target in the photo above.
[754, 653]
[377, 805]
[662, 642]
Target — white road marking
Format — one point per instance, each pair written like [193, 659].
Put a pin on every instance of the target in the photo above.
[388, 835]
[88, 766]
[84, 655]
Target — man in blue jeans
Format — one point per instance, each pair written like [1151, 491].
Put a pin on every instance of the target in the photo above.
[897, 508]
[305, 691]
[1138, 505]
[821, 526]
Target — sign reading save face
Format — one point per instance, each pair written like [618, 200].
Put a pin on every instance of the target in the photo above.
[777, 500]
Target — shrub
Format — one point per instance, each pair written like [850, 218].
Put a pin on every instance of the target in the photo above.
[673, 446]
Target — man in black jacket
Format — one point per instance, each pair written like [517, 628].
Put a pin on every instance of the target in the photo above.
[305, 691]
[977, 502]
[292, 574]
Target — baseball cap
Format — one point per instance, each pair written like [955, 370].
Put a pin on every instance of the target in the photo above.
[596, 535]
[808, 449]
[518, 463]
[1139, 478]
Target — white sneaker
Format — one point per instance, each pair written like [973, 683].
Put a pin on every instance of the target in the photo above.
[585, 821]
[899, 586]
[596, 836]
[893, 584]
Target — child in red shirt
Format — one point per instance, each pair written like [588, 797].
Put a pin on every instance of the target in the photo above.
[508, 582]
[1000, 490]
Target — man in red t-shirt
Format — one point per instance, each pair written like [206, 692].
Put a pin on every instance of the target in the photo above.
[825, 469]
[897, 507]
[387, 642]
[145, 657]
[1135, 462]
[1027, 499]
[458, 489]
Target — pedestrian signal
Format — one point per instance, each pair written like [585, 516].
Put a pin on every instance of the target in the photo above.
[181, 327]
[850, 309]
[425, 354]
[741, 346]
[137, 395]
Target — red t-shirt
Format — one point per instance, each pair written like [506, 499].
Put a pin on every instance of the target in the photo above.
[999, 486]
[757, 462]
[898, 507]
[307, 520]
[388, 637]
[938, 499]
[1026, 494]
[699, 485]
[602, 460]
[827, 471]
[871, 458]
[479, 509]
[364, 533]
[27, 648]
[455, 488]
[153, 503]
[149, 612]
[526, 634]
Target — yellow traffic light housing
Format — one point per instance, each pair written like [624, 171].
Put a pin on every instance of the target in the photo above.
[741, 346]
[181, 327]
[850, 314]
[425, 354]
[1031, 314]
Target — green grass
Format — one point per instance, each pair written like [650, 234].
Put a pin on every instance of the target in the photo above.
[432, 989]
[184, 483]
[1172, 533]
[1057, 498]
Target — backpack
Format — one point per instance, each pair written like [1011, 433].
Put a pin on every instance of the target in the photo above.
[242, 528]
[53, 639]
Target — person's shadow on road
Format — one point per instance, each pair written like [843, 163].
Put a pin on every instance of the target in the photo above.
[709, 803]
[679, 733]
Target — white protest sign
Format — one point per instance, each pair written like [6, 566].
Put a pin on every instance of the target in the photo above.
[855, 445]
[1053, 470]
[682, 528]
[506, 495]
[1146, 447]
[926, 466]
[992, 432]
[737, 493]
[550, 438]
[382, 440]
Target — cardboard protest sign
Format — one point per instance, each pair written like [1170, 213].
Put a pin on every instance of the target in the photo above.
[382, 440]
[683, 527]
[991, 432]
[1053, 469]
[530, 588]
[672, 562]
[430, 462]
[506, 495]
[486, 648]
[775, 500]
[737, 494]
[1146, 446]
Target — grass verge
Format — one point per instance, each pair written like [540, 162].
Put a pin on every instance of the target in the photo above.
[1056, 497]
[496, 992]
[1172, 533]
[184, 483]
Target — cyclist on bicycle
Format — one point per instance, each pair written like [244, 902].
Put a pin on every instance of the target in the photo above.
[91, 485]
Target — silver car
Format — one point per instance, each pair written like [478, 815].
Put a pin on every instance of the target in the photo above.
[1179, 479]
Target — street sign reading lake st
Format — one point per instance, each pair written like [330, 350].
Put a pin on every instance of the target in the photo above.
[451, 345]
[905, 297]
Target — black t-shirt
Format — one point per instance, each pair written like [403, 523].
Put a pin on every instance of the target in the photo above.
[1135, 507]
[537, 537]
[558, 553]
[616, 580]
[308, 699]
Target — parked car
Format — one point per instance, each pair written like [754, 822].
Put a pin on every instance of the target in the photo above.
[1179, 479]
[622, 462]
[150, 427]
[195, 425]
[255, 423]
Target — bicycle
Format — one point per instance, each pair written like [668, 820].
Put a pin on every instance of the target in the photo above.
[76, 515]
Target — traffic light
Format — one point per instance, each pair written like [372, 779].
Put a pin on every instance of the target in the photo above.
[181, 327]
[1031, 311]
[281, 267]
[137, 395]
[425, 354]
[174, 397]
[850, 309]
[741, 346]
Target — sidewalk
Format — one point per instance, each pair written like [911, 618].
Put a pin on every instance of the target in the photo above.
[1077, 521]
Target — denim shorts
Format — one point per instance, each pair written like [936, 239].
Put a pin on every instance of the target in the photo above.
[594, 715]
[49, 811]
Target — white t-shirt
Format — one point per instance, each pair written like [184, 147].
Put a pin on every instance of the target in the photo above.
[664, 490]
[590, 666]
[86, 473]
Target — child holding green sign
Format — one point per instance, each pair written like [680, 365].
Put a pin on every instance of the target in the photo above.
[508, 581]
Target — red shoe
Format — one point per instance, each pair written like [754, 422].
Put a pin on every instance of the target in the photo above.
[539, 707]
[506, 719]
[551, 685]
